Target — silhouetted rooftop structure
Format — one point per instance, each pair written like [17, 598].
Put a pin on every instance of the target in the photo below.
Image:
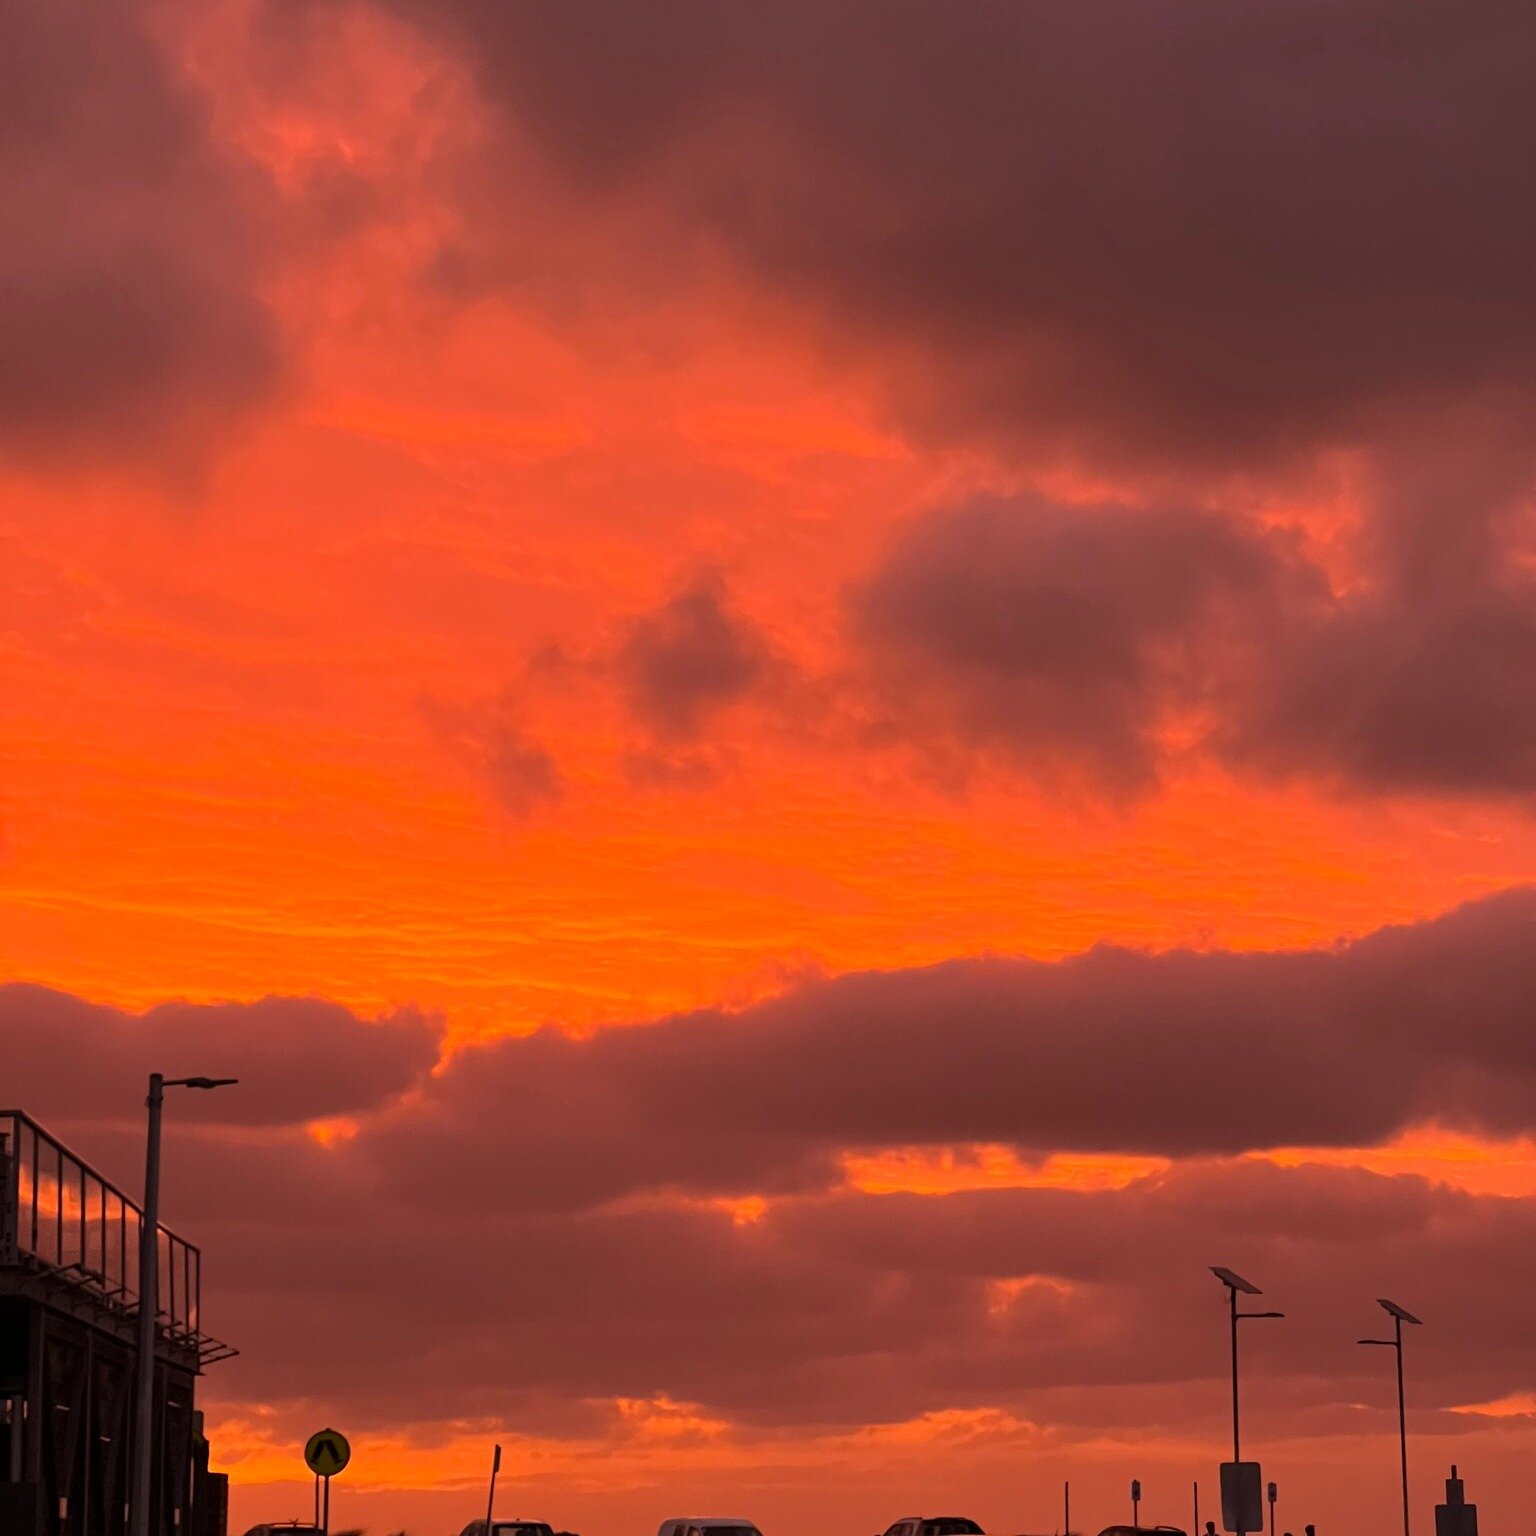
[64, 1224]
[69, 1269]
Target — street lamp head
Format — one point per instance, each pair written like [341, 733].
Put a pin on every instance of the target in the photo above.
[1385, 1343]
[1402, 1314]
[1261, 1314]
[1234, 1281]
[202, 1082]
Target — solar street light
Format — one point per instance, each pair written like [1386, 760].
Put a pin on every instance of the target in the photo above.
[1234, 1281]
[1236, 1285]
[1240, 1481]
[1399, 1316]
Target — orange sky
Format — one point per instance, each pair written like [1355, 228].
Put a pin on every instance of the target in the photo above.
[257, 677]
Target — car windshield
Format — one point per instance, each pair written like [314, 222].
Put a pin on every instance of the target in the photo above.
[731, 1530]
[522, 1528]
[951, 1528]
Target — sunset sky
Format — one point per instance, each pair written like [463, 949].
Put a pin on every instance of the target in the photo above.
[816, 693]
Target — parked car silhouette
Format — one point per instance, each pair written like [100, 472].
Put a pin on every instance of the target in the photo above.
[509, 1528]
[284, 1528]
[707, 1525]
[1141, 1530]
[935, 1525]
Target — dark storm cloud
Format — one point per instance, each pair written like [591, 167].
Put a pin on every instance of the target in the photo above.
[1343, 1046]
[297, 1058]
[849, 1309]
[566, 1191]
[130, 325]
[1066, 640]
[687, 659]
[1062, 635]
[1196, 228]
[1423, 677]
[1197, 235]
[548, 1121]
[1434, 695]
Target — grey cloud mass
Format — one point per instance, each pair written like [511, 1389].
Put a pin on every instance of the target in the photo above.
[131, 323]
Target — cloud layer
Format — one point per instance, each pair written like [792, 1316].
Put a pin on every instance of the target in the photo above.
[599, 1183]
[1195, 230]
[297, 1058]
[1065, 637]
[1340, 1047]
[131, 322]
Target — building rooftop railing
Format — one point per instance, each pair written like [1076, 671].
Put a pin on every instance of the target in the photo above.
[59, 1216]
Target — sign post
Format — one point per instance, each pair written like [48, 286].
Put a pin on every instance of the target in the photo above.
[326, 1453]
[1136, 1503]
[490, 1498]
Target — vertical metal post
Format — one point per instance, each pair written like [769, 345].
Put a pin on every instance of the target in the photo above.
[1402, 1416]
[1066, 1509]
[10, 1237]
[1237, 1442]
[149, 1271]
[1399, 1316]
[490, 1498]
[1194, 1530]
[325, 1517]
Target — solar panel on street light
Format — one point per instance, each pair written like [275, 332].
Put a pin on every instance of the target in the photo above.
[1401, 1313]
[1234, 1281]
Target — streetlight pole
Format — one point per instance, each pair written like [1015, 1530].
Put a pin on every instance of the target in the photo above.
[1235, 1283]
[1399, 1316]
[149, 1299]
[1237, 1434]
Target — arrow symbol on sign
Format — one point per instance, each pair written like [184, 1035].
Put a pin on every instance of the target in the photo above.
[327, 1453]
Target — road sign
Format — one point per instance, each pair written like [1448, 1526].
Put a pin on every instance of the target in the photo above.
[326, 1452]
[1242, 1497]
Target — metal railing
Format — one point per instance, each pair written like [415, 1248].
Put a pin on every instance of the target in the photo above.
[58, 1213]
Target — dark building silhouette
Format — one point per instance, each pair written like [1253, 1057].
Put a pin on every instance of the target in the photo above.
[69, 1264]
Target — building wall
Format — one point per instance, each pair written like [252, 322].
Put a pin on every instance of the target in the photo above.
[65, 1445]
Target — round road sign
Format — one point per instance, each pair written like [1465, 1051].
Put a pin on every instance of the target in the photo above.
[326, 1452]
